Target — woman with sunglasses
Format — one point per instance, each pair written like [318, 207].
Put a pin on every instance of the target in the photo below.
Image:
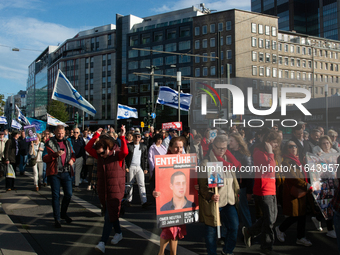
[294, 207]
[110, 181]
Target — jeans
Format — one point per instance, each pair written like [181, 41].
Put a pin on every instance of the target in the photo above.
[44, 173]
[244, 208]
[64, 180]
[108, 227]
[23, 162]
[265, 224]
[137, 172]
[336, 221]
[301, 225]
[229, 220]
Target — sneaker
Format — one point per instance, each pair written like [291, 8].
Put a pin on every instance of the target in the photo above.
[246, 236]
[80, 181]
[280, 235]
[331, 234]
[89, 187]
[57, 224]
[317, 224]
[116, 238]
[85, 181]
[66, 218]
[76, 189]
[304, 241]
[100, 247]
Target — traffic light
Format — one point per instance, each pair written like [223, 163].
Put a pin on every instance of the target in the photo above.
[81, 119]
[76, 118]
[221, 114]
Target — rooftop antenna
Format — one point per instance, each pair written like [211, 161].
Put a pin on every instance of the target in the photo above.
[205, 10]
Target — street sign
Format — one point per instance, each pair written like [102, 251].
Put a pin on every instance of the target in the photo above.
[142, 124]
[153, 115]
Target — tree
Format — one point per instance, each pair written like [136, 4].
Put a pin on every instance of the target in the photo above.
[58, 110]
[2, 104]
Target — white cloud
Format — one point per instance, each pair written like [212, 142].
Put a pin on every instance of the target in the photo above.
[21, 4]
[212, 5]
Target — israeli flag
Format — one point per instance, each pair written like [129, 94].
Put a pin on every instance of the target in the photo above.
[16, 124]
[169, 97]
[21, 117]
[126, 112]
[64, 92]
[3, 120]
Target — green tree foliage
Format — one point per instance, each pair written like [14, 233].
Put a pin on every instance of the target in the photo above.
[2, 104]
[58, 110]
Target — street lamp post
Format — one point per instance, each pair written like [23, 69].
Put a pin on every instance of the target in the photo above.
[179, 83]
[326, 97]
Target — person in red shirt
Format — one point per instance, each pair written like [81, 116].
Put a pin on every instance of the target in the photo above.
[265, 157]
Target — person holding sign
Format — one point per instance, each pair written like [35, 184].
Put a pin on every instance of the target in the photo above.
[223, 203]
[172, 234]
[36, 150]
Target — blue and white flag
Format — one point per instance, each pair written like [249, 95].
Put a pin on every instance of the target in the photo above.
[126, 112]
[64, 92]
[16, 124]
[3, 120]
[22, 117]
[169, 97]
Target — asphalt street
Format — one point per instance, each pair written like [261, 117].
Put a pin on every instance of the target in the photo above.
[31, 213]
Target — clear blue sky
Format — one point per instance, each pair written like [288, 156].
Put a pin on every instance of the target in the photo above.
[32, 25]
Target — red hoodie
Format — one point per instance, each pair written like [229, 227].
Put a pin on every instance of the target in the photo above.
[264, 184]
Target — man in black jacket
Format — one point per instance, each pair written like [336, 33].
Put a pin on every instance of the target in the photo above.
[314, 137]
[303, 145]
[136, 161]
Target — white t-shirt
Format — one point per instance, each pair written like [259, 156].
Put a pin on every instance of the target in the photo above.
[137, 154]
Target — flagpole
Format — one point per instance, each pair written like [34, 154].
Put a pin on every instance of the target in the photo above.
[179, 83]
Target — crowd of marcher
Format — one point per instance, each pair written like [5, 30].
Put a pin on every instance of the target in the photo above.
[109, 161]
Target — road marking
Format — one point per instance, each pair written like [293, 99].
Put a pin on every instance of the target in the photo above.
[126, 224]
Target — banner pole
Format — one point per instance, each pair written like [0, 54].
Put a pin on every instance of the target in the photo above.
[218, 216]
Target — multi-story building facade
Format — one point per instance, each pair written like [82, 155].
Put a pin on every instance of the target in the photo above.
[260, 56]
[169, 37]
[37, 96]
[20, 99]
[312, 17]
[88, 61]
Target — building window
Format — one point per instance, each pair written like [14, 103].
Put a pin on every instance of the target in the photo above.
[298, 75]
[253, 27]
[157, 61]
[286, 47]
[292, 48]
[184, 31]
[145, 38]
[267, 57]
[228, 40]
[197, 59]
[212, 42]
[260, 29]
[267, 30]
[260, 43]
[184, 45]
[204, 30]
[133, 100]
[274, 73]
[229, 54]
[298, 63]
[197, 44]
[212, 55]
[273, 31]
[267, 44]
[298, 49]
[133, 53]
[228, 25]
[274, 59]
[292, 62]
[170, 47]
[286, 61]
[197, 72]
[212, 28]
[220, 27]
[197, 31]
[171, 34]
[268, 71]
[260, 57]
[280, 46]
[158, 36]
[169, 60]
[205, 71]
[274, 45]
[213, 70]
[205, 43]
[253, 41]
[292, 75]
[254, 56]
[204, 58]
[280, 60]
[261, 73]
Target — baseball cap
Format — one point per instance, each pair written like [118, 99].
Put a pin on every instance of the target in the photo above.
[172, 130]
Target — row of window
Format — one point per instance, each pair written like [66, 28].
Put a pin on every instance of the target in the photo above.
[158, 49]
[229, 55]
[206, 71]
[212, 28]
[186, 71]
[163, 24]
[169, 60]
[159, 36]
[212, 42]
[262, 31]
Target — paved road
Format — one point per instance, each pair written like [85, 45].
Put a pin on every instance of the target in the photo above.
[31, 213]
